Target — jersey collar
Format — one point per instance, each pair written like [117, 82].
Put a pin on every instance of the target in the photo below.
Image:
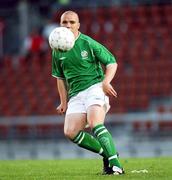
[77, 36]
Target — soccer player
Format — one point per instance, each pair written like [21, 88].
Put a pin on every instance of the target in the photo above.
[84, 91]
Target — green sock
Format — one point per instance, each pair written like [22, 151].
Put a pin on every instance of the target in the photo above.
[87, 141]
[106, 141]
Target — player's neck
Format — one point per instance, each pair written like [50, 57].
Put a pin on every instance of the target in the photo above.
[77, 35]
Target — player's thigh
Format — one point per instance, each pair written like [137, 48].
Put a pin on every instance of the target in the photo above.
[95, 115]
[74, 123]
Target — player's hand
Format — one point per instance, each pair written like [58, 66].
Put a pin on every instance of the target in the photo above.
[61, 109]
[108, 89]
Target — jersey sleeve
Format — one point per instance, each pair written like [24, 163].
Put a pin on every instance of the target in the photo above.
[56, 67]
[102, 54]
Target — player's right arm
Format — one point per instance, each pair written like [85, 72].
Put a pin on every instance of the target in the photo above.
[63, 96]
[57, 72]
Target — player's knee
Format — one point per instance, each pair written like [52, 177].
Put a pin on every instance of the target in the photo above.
[70, 133]
[91, 124]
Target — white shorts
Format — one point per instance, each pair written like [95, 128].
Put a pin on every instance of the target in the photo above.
[91, 96]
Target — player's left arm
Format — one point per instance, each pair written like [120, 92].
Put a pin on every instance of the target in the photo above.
[105, 57]
[109, 75]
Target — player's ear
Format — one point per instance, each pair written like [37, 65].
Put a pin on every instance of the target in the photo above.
[78, 25]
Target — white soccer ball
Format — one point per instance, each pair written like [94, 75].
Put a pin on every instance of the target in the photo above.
[61, 38]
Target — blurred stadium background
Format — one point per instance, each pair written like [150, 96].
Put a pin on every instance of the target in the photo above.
[138, 33]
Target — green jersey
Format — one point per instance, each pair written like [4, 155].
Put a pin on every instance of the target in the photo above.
[81, 66]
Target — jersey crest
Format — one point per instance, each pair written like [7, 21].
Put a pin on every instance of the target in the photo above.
[84, 54]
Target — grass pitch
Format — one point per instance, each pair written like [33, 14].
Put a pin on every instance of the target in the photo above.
[82, 169]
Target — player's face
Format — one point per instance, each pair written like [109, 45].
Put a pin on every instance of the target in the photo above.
[70, 21]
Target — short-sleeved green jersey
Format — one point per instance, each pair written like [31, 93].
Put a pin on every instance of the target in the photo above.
[81, 66]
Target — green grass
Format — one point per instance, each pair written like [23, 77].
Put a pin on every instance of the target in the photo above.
[82, 169]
